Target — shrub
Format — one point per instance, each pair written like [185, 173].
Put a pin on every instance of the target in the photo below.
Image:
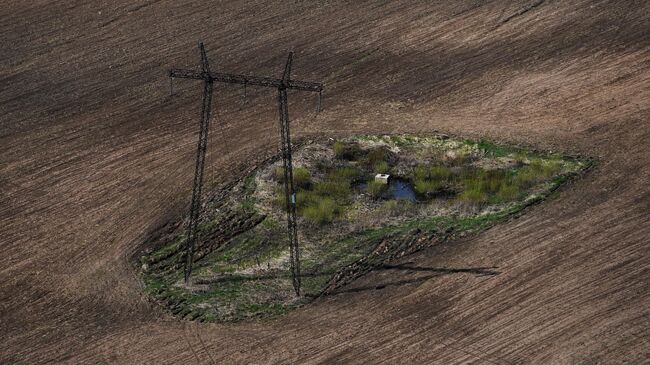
[280, 198]
[346, 151]
[427, 187]
[492, 180]
[432, 172]
[440, 172]
[507, 192]
[421, 172]
[321, 212]
[537, 171]
[248, 205]
[301, 176]
[524, 178]
[279, 174]
[270, 223]
[338, 189]
[544, 169]
[339, 149]
[376, 189]
[488, 181]
[376, 155]
[319, 202]
[499, 186]
[431, 179]
[305, 198]
[474, 195]
[479, 185]
[381, 167]
[344, 173]
[491, 148]
[314, 207]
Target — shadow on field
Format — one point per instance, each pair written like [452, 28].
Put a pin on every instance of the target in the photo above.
[432, 272]
[253, 277]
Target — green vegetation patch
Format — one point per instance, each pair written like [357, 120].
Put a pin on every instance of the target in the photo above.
[348, 221]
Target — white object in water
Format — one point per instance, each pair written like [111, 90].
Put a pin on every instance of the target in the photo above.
[382, 178]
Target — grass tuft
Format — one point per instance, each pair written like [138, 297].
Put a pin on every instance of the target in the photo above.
[474, 195]
[432, 172]
[429, 180]
[301, 177]
[376, 189]
[346, 151]
[344, 173]
[322, 202]
[537, 171]
[338, 189]
[381, 167]
[321, 211]
[427, 187]
[479, 185]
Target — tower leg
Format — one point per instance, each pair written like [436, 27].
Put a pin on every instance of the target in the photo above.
[195, 208]
[289, 190]
[318, 101]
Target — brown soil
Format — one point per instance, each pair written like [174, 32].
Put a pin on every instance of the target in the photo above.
[95, 155]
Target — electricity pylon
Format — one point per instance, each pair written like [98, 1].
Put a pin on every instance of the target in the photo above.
[282, 85]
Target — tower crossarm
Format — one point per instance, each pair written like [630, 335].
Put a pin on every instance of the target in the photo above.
[245, 79]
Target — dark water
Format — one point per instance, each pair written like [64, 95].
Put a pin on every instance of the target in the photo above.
[398, 189]
[401, 190]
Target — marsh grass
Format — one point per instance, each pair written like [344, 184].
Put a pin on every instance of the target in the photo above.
[479, 186]
[376, 189]
[322, 202]
[321, 211]
[301, 176]
[336, 189]
[345, 173]
[381, 167]
[428, 180]
[537, 171]
[502, 186]
[377, 154]
[346, 150]
[427, 187]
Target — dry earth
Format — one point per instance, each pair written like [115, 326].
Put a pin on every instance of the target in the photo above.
[95, 155]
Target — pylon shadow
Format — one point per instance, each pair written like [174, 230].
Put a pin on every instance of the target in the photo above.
[434, 272]
[254, 277]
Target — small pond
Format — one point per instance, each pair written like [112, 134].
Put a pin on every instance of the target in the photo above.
[398, 189]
